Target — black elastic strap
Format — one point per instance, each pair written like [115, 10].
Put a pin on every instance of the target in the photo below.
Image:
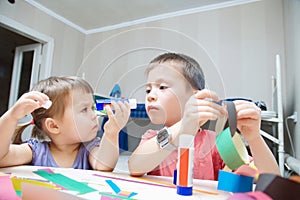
[232, 121]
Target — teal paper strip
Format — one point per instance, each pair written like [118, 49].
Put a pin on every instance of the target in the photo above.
[227, 150]
[65, 182]
[113, 186]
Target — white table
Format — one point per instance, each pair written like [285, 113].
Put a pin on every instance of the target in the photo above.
[146, 187]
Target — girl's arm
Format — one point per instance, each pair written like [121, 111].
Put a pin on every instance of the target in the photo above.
[17, 154]
[248, 122]
[105, 157]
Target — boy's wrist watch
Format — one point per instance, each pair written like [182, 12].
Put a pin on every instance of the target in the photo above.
[163, 140]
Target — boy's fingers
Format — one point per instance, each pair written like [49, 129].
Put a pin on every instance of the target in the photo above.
[206, 94]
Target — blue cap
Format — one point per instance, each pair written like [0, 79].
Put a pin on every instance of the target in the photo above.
[185, 191]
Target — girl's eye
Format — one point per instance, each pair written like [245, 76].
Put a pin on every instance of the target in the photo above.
[84, 110]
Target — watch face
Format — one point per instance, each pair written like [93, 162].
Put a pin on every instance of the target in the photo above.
[162, 135]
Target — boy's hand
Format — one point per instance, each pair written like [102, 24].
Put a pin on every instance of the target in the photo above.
[27, 103]
[199, 109]
[116, 121]
[248, 119]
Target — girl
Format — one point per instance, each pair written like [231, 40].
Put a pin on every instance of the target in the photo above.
[66, 131]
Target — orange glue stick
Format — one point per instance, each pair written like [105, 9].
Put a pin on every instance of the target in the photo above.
[185, 165]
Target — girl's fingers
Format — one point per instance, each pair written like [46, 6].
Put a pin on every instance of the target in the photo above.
[116, 106]
[36, 96]
[109, 111]
[121, 109]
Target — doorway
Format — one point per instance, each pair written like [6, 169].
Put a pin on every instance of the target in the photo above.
[8, 43]
[19, 66]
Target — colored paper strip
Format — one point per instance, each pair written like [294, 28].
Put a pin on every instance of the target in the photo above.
[113, 186]
[105, 195]
[232, 149]
[17, 183]
[7, 190]
[231, 182]
[118, 191]
[154, 183]
[65, 182]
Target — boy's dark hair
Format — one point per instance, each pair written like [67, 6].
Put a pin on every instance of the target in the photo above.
[191, 68]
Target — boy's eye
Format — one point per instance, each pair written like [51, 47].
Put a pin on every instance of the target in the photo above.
[84, 110]
[162, 87]
[148, 90]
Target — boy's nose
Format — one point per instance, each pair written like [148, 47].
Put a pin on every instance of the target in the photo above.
[151, 97]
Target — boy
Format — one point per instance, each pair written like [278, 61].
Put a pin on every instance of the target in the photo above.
[175, 97]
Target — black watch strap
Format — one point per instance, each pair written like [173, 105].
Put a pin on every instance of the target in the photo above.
[163, 140]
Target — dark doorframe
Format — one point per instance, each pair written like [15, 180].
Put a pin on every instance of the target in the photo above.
[9, 40]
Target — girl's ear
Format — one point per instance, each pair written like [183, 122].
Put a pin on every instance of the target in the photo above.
[51, 125]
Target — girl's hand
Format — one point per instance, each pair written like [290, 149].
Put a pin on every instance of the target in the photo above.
[27, 103]
[199, 109]
[248, 119]
[116, 121]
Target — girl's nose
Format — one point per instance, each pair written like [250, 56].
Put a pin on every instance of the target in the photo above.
[94, 114]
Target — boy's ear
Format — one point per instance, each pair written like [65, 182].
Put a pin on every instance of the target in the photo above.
[51, 125]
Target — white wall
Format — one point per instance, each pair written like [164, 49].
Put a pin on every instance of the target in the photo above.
[292, 18]
[236, 47]
[68, 42]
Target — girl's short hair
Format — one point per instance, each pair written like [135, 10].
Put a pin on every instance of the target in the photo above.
[190, 68]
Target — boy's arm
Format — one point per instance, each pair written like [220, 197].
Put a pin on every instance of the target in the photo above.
[262, 156]
[248, 122]
[148, 154]
[105, 157]
[196, 112]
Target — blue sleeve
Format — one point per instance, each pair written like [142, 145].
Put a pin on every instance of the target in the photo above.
[33, 143]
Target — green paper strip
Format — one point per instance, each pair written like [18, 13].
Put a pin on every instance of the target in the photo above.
[232, 149]
[65, 182]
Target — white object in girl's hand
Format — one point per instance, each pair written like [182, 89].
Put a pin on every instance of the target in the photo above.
[47, 104]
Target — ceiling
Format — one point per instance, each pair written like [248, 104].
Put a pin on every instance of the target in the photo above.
[101, 15]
